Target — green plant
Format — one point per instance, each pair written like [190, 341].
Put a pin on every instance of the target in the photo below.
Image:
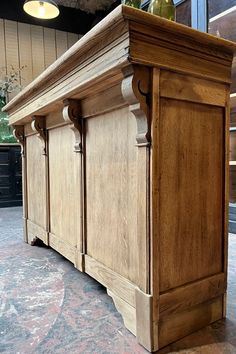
[8, 83]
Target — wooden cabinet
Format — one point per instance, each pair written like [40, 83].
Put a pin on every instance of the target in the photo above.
[10, 175]
[125, 161]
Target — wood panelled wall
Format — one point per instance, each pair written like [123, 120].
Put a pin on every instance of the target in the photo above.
[34, 47]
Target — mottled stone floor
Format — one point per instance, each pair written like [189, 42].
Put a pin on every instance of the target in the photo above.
[47, 306]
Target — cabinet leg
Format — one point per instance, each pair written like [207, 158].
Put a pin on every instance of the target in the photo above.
[127, 312]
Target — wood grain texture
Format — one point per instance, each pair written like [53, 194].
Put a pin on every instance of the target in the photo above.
[74, 84]
[193, 294]
[64, 181]
[103, 102]
[127, 312]
[141, 206]
[36, 184]
[144, 315]
[182, 87]
[148, 50]
[64, 247]
[25, 198]
[34, 231]
[84, 52]
[111, 184]
[200, 53]
[180, 325]
[117, 284]
[55, 119]
[155, 199]
[191, 169]
[135, 88]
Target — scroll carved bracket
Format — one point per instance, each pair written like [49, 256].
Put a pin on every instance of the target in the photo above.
[72, 115]
[18, 132]
[136, 92]
[38, 125]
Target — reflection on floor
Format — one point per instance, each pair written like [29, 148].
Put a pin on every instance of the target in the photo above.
[47, 306]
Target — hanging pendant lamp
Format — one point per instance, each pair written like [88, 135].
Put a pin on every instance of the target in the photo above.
[45, 9]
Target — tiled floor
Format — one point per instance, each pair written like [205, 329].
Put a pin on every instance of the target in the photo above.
[47, 306]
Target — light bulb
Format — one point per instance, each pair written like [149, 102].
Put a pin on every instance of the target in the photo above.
[41, 10]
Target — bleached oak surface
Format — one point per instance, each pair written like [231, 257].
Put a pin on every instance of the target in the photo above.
[132, 168]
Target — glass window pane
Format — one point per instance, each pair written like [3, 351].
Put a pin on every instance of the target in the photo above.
[183, 12]
[222, 23]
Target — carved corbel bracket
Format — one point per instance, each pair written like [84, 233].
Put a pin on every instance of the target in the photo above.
[38, 125]
[18, 132]
[72, 115]
[136, 92]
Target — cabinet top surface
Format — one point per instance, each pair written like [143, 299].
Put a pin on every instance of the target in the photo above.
[122, 33]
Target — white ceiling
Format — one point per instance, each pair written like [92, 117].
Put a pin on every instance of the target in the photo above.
[90, 6]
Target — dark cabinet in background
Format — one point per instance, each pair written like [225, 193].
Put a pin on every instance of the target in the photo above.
[10, 175]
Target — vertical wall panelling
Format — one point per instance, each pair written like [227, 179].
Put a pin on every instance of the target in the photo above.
[50, 54]
[30, 46]
[61, 42]
[11, 45]
[72, 38]
[2, 46]
[25, 54]
[37, 49]
[11, 37]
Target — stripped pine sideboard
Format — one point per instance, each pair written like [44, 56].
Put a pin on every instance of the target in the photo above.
[125, 160]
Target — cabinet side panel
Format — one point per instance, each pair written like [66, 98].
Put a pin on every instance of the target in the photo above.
[191, 192]
[65, 193]
[36, 184]
[111, 193]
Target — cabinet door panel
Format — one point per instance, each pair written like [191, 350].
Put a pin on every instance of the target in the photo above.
[191, 192]
[65, 192]
[111, 180]
[36, 182]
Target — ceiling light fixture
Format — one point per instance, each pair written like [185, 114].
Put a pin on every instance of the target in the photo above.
[45, 9]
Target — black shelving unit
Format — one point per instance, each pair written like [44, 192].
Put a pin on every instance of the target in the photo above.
[10, 175]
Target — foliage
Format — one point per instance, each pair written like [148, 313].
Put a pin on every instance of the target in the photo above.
[8, 83]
